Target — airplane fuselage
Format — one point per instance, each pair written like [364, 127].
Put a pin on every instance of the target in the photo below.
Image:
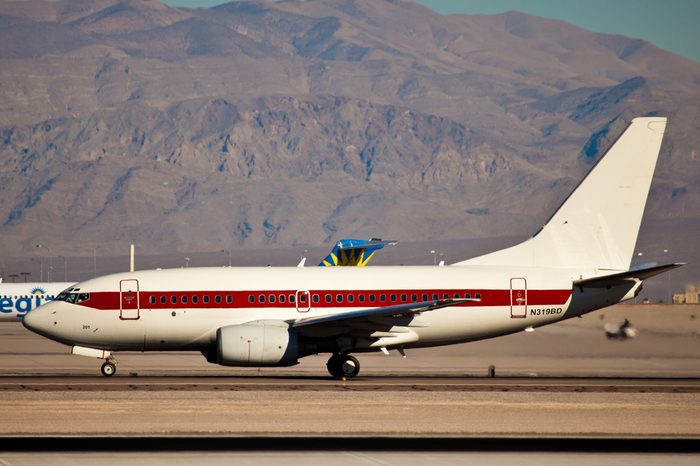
[183, 308]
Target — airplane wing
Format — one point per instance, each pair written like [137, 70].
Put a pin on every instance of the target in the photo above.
[619, 278]
[401, 310]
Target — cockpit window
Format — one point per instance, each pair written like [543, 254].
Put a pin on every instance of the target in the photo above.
[73, 298]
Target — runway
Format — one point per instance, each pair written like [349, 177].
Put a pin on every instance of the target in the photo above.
[363, 384]
[564, 381]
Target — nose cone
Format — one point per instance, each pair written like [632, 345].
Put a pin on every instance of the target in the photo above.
[40, 320]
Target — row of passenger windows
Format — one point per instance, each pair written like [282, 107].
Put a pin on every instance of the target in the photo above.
[361, 298]
[194, 299]
[315, 298]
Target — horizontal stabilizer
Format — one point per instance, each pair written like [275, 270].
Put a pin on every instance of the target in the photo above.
[619, 278]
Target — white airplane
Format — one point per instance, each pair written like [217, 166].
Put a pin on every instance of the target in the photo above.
[261, 316]
[16, 299]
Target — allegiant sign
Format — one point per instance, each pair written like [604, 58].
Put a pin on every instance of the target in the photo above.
[23, 304]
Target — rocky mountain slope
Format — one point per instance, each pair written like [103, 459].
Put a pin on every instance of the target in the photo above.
[257, 124]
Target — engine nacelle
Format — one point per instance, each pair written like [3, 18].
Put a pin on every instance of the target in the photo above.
[259, 343]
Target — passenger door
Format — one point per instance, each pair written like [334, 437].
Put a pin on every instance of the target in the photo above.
[518, 298]
[129, 305]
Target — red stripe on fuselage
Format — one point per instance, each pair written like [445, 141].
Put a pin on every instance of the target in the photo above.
[349, 299]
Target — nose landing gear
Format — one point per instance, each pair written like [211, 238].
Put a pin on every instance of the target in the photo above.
[108, 368]
[343, 365]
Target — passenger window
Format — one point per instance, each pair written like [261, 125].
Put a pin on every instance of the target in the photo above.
[446, 296]
[217, 299]
[371, 298]
[205, 299]
[173, 299]
[261, 298]
[315, 298]
[456, 295]
[435, 296]
[152, 299]
[184, 299]
[393, 298]
[339, 298]
[229, 299]
[292, 298]
[477, 296]
[414, 298]
[425, 296]
[272, 298]
[302, 298]
[327, 298]
[403, 298]
[382, 297]
[468, 295]
[195, 299]
[282, 298]
[163, 299]
[251, 298]
[361, 298]
[351, 298]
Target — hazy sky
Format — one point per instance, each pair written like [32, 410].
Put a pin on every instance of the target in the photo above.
[673, 25]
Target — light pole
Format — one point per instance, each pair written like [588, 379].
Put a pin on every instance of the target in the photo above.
[432, 251]
[48, 272]
[228, 251]
[65, 268]
[187, 262]
[41, 268]
[669, 295]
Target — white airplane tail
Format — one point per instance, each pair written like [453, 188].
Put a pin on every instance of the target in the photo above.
[597, 225]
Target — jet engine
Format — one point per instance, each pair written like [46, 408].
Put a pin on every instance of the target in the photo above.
[259, 343]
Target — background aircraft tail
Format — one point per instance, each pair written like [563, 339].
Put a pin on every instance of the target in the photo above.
[597, 225]
[354, 252]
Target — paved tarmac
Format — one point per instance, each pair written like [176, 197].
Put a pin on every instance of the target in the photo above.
[561, 381]
[349, 457]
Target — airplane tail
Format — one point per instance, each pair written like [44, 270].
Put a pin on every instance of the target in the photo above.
[597, 225]
[354, 252]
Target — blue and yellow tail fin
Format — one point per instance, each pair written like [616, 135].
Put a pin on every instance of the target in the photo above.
[353, 252]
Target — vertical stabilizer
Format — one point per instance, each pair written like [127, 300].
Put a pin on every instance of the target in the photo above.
[597, 225]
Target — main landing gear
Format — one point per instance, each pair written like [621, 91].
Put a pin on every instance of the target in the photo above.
[343, 366]
[109, 368]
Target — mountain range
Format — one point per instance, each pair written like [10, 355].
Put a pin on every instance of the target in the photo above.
[259, 124]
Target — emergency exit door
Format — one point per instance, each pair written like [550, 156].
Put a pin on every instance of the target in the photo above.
[518, 298]
[303, 301]
[129, 299]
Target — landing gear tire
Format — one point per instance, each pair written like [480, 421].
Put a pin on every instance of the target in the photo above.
[108, 369]
[343, 366]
